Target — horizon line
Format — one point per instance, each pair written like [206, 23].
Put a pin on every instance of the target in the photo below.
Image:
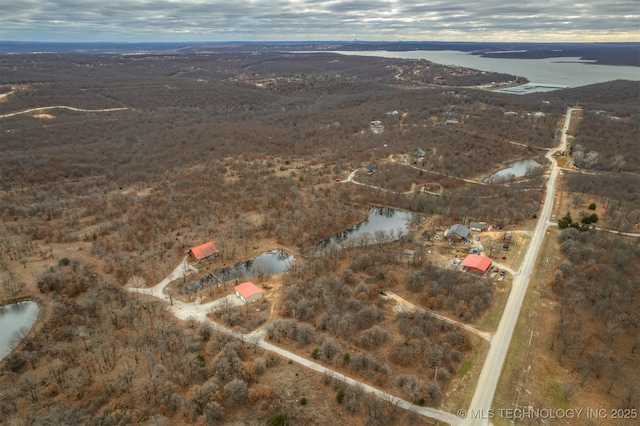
[317, 41]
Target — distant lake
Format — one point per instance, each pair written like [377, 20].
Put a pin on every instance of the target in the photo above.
[562, 71]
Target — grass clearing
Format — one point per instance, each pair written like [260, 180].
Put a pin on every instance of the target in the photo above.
[490, 320]
[554, 394]
[466, 379]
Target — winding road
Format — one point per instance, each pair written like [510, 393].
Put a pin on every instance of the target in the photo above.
[193, 311]
[479, 409]
[60, 107]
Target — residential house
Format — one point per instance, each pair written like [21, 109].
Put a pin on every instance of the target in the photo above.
[458, 232]
[419, 153]
[368, 169]
[203, 251]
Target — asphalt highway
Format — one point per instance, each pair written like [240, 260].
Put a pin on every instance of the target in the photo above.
[479, 410]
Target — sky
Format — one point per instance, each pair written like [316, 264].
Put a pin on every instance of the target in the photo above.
[319, 20]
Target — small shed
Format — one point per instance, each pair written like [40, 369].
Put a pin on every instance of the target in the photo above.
[477, 226]
[248, 292]
[476, 264]
[203, 251]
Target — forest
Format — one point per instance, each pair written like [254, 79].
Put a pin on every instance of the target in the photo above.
[245, 150]
[598, 331]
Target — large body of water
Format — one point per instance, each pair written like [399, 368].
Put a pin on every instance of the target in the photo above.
[14, 318]
[558, 71]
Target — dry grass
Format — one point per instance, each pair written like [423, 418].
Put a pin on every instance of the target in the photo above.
[529, 332]
[464, 384]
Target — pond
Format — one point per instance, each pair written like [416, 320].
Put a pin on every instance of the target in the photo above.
[382, 226]
[15, 318]
[267, 263]
[515, 170]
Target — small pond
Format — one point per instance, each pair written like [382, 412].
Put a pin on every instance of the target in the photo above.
[383, 225]
[271, 262]
[515, 170]
[14, 318]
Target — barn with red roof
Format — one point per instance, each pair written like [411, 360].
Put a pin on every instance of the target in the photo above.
[476, 264]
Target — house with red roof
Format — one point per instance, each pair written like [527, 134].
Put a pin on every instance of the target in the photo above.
[476, 264]
[248, 292]
[203, 251]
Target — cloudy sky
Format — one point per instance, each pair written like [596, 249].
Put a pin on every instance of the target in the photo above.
[276, 20]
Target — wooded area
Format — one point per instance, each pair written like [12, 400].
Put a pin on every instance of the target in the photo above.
[245, 150]
[599, 315]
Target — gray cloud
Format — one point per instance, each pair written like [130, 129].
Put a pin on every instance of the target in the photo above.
[221, 20]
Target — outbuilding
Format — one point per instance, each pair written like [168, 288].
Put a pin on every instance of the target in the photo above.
[248, 292]
[477, 226]
[476, 264]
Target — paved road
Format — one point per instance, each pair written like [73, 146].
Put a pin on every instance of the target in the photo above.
[477, 414]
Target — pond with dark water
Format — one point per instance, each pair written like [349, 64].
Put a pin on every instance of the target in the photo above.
[515, 170]
[15, 318]
[382, 226]
[271, 262]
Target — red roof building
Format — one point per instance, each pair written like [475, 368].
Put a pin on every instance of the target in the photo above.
[248, 292]
[203, 251]
[476, 264]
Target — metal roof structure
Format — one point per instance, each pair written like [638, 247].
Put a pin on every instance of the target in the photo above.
[247, 290]
[475, 261]
[203, 251]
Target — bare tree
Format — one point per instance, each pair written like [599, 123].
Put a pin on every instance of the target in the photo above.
[235, 391]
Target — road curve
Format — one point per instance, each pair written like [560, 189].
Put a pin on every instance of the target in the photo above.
[60, 107]
[186, 311]
[478, 413]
